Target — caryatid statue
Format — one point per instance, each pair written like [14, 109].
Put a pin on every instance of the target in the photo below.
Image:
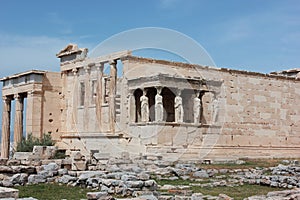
[215, 107]
[178, 108]
[144, 107]
[197, 108]
[159, 109]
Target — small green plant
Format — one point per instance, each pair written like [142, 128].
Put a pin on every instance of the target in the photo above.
[26, 145]
[60, 154]
[52, 191]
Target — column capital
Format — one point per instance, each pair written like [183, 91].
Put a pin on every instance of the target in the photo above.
[74, 71]
[158, 89]
[145, 90]
[17, 96]
[64, 73]
[6, 103]
[87, 68]
[113, 62]
[99, 66]
[6, 99]
[197, 93]
[178, 92]
[131, 91]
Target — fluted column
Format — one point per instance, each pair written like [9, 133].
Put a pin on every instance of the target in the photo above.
[87, 97]
[5, 127]
[99, 96]
[75, 102]
[112, 94]
[18, 123]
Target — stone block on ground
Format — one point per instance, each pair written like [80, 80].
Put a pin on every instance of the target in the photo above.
[21, 155]
[50, 152]
[3, 161]
[8, 193]
[97, 196]
[224, 197]
[51, 167]
[66, 179]
[79, 165]
[197, 196]
[200, 174]
[76, 155]
[35, 179]
[283, 193]
[101, 156]
[38, 151]
[13, 162]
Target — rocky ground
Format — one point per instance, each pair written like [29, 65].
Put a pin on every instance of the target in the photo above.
[137, 178]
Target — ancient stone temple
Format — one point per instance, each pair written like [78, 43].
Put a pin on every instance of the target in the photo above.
[123, 103]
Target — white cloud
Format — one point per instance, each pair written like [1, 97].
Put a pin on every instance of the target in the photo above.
[20, 53]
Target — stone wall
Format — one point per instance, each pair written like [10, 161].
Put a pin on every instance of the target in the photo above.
[261, 115]
[51, 114]
[257, 113]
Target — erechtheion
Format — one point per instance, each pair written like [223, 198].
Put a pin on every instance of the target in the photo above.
[122, 103]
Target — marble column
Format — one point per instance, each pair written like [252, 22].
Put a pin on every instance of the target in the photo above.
[112, 94]
[197, 108]
[178, 108]
[87, 97]
[18, 123]
[99, 96]
[159, 108]
[215, 108]
[5, 127]
[144, 107]
[132, 107]
[74, 103]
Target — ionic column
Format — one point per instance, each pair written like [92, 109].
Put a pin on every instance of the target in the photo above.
[87, 97]
[112, 94]
[18, 123]
[75, 101]
[5, 127]
[99, 96]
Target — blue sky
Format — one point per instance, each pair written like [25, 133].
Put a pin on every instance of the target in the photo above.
[254, 35]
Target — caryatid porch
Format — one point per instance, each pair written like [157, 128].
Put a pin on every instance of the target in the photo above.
[164, 98]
